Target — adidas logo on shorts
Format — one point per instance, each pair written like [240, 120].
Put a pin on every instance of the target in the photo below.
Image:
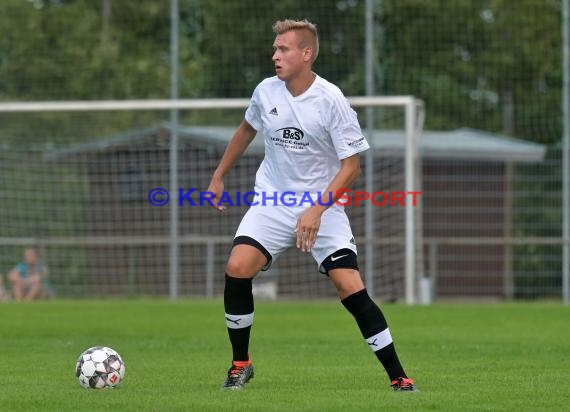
[273, 111]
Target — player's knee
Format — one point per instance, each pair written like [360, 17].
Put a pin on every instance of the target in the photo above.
[342, 268]
[239, 268]
[243, 266]
[347, 282]
[247, 258]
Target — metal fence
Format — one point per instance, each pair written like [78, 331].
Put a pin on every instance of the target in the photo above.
[492, 227]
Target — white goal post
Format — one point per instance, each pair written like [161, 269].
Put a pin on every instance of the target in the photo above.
[413, 124]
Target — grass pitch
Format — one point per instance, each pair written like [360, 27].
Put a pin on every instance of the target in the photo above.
[307, 356]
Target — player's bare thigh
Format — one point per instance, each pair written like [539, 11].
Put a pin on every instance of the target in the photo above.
[245, 261]
[346, 280]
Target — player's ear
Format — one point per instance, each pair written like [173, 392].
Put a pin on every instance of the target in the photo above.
[308, 54]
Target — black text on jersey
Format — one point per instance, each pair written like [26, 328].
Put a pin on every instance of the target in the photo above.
[291, 133]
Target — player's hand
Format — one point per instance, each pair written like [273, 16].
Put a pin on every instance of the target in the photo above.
[217, 188]
[307, 229]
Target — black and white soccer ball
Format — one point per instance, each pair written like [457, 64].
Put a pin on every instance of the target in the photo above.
[100, 367]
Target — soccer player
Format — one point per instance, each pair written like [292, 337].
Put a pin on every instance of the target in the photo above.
[312, 146]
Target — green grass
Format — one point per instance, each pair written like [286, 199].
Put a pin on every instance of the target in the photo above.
[308, 356]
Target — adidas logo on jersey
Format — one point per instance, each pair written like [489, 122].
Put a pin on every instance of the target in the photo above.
[273, 111]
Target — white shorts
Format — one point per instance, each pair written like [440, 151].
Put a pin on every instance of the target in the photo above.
[274, 228]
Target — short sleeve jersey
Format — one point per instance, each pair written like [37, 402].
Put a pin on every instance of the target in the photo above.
[305, 136]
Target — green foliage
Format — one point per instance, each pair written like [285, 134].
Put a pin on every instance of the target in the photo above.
[463, 58]
[237, 41]
[60, 51]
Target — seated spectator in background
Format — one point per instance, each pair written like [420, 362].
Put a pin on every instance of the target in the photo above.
[29, 278]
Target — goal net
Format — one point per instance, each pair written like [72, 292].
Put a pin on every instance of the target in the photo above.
[87, 184]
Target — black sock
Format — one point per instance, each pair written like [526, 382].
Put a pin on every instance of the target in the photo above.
[238, 304]
[374, 328]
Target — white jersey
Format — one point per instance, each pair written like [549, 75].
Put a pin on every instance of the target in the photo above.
[305, 136]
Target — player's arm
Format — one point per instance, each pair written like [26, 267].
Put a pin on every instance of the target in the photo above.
[348, 173]
[238, 143]
[309, 223]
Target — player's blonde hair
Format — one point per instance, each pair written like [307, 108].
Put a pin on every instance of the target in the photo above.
[301, 26]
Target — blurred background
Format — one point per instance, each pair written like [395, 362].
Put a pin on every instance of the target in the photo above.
[490, 157]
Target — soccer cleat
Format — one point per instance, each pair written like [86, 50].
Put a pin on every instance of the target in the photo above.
[403, 384]
[238, 376]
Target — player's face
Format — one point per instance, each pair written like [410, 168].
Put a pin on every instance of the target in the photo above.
[288, 57]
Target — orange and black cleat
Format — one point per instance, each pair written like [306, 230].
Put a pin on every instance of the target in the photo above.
[403, 384]
[238, 375]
